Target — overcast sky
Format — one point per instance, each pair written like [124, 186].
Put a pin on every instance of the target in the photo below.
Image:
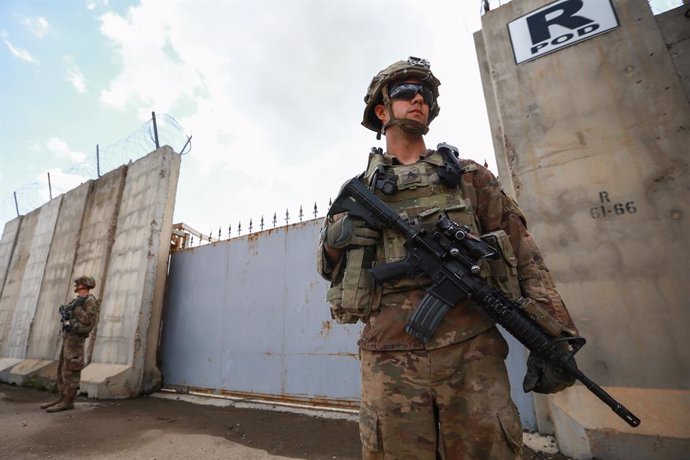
[270, 91]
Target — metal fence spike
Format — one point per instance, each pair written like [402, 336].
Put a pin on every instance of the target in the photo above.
[315, 210]
[300, 213]
[262, 221]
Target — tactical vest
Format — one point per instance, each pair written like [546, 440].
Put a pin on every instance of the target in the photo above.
[83, 330]
[419, 197]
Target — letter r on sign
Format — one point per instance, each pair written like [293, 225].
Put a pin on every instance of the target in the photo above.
[562, 14]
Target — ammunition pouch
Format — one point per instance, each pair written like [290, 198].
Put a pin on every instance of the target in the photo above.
[544, 319]
[354, 295]
[504, 271]
[81, 329]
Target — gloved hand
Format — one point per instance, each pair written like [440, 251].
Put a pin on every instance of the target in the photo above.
[349, 231]
[545, 377]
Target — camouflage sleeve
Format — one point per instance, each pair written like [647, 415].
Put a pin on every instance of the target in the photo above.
[327, 269]
[87, 313]
[498, 211]
[324, 267]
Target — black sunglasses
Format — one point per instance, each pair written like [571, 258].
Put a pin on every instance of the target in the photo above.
[407, 91]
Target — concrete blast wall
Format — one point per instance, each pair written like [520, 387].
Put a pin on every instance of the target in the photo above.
[593, 141]
[116, 229]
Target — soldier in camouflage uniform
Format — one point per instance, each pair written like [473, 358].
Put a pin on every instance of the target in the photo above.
[449, 398]
[78, 319]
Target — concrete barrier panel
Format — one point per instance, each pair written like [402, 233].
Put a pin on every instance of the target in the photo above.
[6, 366]
[12, 289]
[27, 369]
[588, 429]
[135, 280]
[44, 340]
[98, 228]
[9, 240]
[25, 309]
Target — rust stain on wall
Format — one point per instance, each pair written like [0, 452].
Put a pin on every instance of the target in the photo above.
[325, 328]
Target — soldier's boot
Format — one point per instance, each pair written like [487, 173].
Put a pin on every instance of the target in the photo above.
[67, 403]
[52, 403]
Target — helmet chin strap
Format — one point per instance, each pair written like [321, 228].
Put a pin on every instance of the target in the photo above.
[409, 126]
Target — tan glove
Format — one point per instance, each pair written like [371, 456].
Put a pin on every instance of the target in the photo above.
[349, 231]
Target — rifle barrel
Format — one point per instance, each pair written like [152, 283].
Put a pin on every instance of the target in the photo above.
[600, 393]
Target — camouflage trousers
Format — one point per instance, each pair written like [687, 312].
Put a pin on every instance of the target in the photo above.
[71, 361]
[451, 403]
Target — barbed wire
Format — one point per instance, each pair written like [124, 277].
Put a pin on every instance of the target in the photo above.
[143, 141]
[161, 128]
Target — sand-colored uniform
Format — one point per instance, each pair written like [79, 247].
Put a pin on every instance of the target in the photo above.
[454, 390]
[72, 351]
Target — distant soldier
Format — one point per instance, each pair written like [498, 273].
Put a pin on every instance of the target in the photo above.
[78, 319]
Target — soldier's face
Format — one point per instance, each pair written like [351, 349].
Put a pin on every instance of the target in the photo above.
[414, 108]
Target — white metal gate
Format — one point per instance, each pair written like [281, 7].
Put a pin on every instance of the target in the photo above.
[247, 317]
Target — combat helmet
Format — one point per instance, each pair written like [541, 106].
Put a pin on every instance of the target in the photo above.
[377, 93]
[86, 281]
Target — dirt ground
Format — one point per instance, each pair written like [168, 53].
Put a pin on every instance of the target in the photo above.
[156, 428]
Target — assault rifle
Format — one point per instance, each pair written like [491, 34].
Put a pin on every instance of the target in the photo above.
[449, 255]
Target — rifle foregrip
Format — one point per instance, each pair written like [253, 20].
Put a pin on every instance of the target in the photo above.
[385, 272]
[426, 318]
